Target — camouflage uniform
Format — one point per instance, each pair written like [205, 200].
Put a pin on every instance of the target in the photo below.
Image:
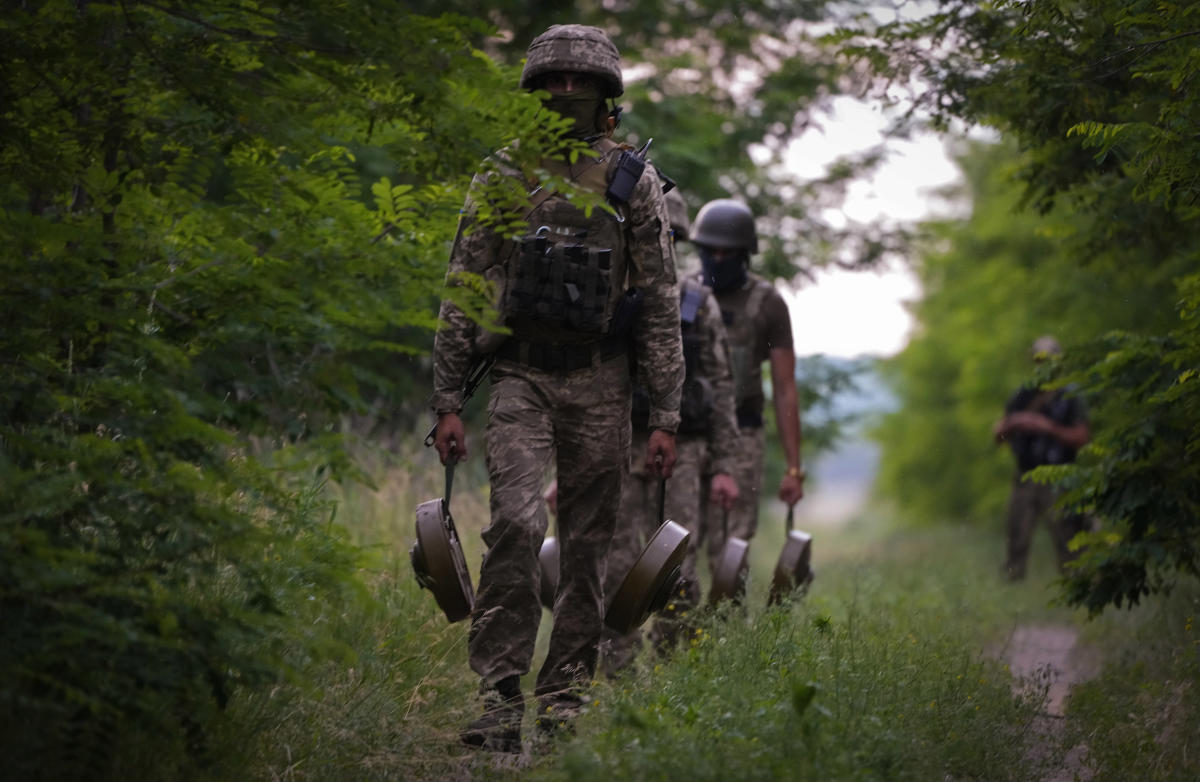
[756, 321]
[638, 517]
[565, 392]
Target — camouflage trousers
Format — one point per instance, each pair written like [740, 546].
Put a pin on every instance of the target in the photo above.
[742, 519]
[637, 520]
[583, 417]
[1028, 504]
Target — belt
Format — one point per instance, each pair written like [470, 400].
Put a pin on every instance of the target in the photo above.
[562, 358]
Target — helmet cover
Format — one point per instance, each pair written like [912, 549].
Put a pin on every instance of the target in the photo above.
[574, 48]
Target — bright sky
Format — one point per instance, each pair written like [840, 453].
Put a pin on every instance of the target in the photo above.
[849, 314]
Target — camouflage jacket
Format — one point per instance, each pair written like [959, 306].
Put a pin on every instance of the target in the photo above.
[649, 265]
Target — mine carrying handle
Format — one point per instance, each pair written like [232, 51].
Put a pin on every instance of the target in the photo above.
[787, 525]
[451, 463]
[662, 501]
[478, 371]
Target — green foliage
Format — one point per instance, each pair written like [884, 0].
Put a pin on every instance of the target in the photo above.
[879, 673]
[1097, 99]
[991, 285]
[871, 677]
[837, 686]
[1144, 477]
[1143, 710]
[224, 228]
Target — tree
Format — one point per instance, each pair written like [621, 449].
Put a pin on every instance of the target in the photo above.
[1097, 98]
[222, 222]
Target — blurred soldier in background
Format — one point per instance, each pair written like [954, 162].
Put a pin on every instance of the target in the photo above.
[758, 329]
[561, 385]
[1041, 427]
[707, 426]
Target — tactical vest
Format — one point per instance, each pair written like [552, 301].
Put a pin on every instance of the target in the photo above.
[1035, 449]
[695, 404]
[566, 276]
[741, 333]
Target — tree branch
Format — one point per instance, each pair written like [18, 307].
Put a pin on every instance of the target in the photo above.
[1143, 45]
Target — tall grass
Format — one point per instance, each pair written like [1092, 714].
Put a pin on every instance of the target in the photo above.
[890, 669]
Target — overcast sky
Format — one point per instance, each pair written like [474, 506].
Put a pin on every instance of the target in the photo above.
[850, 314]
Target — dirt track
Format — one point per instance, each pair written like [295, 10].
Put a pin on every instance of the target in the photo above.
[1049, 657]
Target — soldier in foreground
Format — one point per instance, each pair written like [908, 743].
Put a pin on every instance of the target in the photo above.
[560, 385]
[758, 329]
[1042, 427]
[707, 426]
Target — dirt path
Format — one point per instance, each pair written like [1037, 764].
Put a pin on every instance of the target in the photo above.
[1049, 657]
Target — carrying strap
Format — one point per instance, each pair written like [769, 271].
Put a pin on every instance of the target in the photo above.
[662, 501]
[451, 463]
[755, 300]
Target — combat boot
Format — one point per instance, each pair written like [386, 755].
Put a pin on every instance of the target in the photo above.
[499, 727]
[556, 715]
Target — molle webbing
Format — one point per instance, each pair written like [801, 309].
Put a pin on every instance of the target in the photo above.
[567, 274]
[563, 284]
[740, 329]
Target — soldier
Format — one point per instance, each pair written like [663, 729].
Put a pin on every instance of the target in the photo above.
[1041, 427]
[758, 329]
[560, 385]
[707, 426]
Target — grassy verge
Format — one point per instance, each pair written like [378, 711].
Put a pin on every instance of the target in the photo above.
[890, 669]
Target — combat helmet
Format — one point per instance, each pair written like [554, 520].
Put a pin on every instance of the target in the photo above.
[576, 48]
[1044, 347]
[677, 213]
[725, 223]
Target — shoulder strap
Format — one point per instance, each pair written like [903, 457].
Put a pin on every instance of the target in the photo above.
[541, 195]
[755, 300]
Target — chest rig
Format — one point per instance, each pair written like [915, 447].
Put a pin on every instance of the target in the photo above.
[567, 275]
[741, 333]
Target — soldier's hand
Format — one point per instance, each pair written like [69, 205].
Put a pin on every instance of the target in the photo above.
[1027, 421]
[660, 454]
[791, 489]
[724, 490]
[1000, 430]
[451, 438]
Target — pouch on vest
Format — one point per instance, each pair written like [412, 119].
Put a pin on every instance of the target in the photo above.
[696, 399]
[562, 285]
[695, 403]
[565, 277]
[695, 406]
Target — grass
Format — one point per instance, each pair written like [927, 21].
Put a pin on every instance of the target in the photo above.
[889, 669]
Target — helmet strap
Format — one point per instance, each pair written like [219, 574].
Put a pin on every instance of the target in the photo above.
[614, 116]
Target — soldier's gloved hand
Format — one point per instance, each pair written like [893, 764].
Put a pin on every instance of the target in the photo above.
[451, 438]
[660, 454]
[724, 490]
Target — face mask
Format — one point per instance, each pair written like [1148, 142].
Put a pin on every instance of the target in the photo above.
[585, 109]
[723, 275]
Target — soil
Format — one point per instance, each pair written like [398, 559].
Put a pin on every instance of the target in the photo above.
[1049, 658]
